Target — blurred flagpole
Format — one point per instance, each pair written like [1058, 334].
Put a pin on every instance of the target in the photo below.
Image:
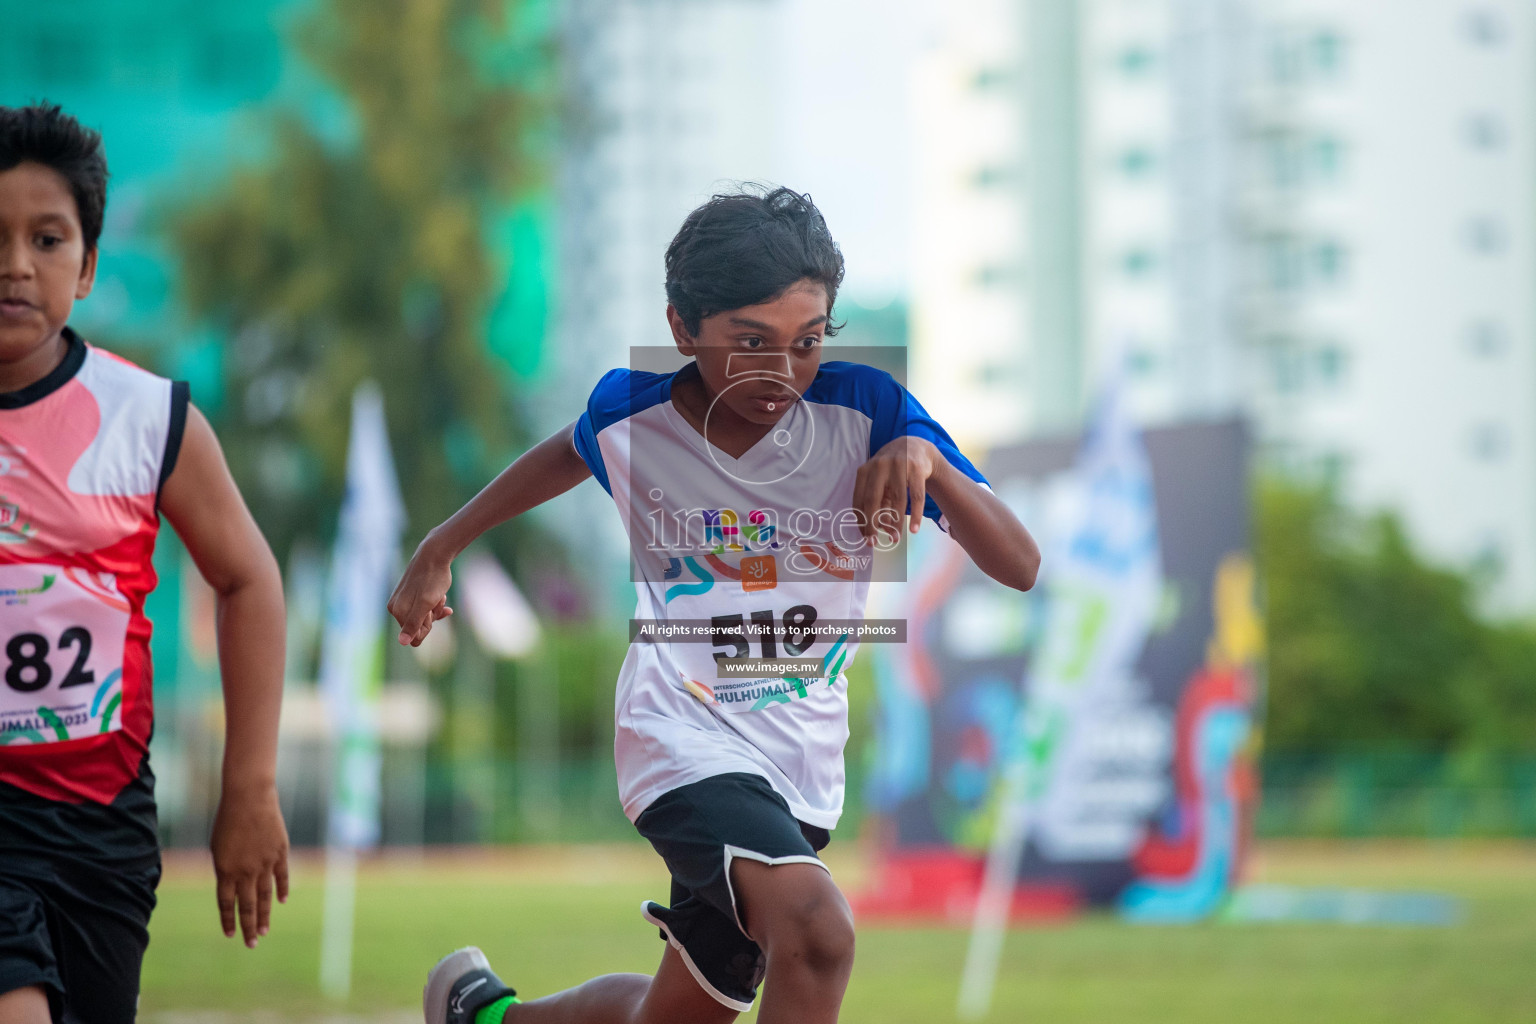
[1022, 780]
[1102, 583]
[351, 671]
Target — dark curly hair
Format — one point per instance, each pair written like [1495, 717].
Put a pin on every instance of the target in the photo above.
[746, 247]
[44, 134]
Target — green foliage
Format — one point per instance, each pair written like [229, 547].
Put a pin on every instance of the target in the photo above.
[584, 658]
[1371, 647]
[330, 261]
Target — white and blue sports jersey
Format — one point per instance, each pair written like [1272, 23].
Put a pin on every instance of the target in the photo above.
[759, 549]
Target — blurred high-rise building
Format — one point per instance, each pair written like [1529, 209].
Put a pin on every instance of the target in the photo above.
[1319, 211]
[1390, 303]
[665, 102]
[969, 307]
[1077, 171]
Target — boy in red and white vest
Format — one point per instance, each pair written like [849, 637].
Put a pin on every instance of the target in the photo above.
[92, 451]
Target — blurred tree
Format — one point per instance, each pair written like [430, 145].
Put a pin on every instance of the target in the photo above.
[1372, 648]
[361, 251]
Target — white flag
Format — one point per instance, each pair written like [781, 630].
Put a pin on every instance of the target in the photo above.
[351, 668]
[501, 617]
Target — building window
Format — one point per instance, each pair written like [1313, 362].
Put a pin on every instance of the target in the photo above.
[993, 374]
[1326, 53]
[1138, 262]
[1488, 339]
[1142, 362]
[1297, 55]
[1330, 362]
[992, 176]
[1280, 156]
[995, 275]
[990, 78]
[1292, 160]
[1136, 61]
[1485, 26]
[1284, 60]
[1484, 131]
[1137, 162]
[1282, 264]
[1330, 262]
[1288, 370]
[1486, 235]
[1489, 563]
[1325, 159]
[1331, 468]
[1490, 441]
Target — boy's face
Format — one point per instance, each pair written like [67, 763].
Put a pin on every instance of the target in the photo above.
[758, 360]
[44, 264]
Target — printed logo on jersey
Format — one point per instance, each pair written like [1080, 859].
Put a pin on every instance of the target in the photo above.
[795, 432]
[12, 529]
[19, 595]
[759, 572]
[11, 461]
[715, 532]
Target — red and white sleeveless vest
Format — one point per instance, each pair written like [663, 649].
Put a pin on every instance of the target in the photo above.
[83, 455]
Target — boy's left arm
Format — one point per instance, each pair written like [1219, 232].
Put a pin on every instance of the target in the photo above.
[908, 469]
[249, 841]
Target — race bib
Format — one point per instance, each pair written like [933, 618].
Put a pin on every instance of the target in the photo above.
[761, 636]
[62, 632]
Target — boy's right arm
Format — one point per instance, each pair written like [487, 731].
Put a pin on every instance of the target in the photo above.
[547, 470]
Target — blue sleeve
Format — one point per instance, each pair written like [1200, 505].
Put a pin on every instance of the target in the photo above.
[600, 412]
[620, 394]
[898, 414]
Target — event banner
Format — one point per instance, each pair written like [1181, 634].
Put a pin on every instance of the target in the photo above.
[1127, 683]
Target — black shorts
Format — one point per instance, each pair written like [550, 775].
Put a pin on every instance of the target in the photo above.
[699, 829]
[77, 886]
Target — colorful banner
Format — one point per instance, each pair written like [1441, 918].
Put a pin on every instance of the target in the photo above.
[1107, 718]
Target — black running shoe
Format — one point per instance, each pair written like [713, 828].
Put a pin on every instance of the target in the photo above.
[461, 984]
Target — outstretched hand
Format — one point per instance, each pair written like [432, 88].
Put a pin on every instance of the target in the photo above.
[421, 596]
[250, 853]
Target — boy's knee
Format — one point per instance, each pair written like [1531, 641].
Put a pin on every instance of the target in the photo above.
[814, 931]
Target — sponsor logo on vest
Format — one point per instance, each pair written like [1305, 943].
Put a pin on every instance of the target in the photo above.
[10, 460]
[12, 529]
[19, 595]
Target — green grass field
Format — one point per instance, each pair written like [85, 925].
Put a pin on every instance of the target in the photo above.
[549, 918]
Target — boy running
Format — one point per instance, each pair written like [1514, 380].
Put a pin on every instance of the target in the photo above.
[92, 451]
[754, 484]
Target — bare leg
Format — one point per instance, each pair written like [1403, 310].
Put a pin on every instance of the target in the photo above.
[800, 918]
[671, 997]
[25, 1006]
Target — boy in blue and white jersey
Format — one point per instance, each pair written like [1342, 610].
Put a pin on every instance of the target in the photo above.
[759, 487]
